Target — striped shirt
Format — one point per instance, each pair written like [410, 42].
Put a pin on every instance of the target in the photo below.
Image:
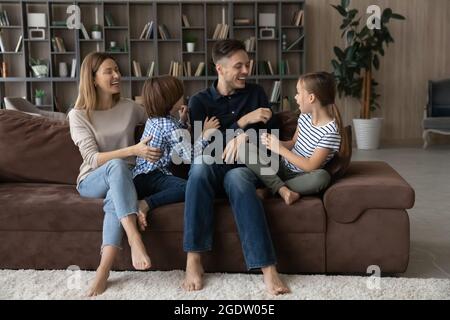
[172, 137]
[311, 137]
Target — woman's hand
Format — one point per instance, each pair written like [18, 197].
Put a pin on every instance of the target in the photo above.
[208, 127]
[271, 142]
[184, 114]
[144, 151]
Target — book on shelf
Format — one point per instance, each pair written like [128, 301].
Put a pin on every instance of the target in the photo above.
[19, 44]
[284, 67]
[250, 68]
[4, 20]
[74, 68]
[242, 22]
[109, 19]
[137, 71]
[59, 44]
[297, 20]
[275, 95]
[269, 65]
[296, 41]
[221, 31]
[2, 44]
[147, 31]
[185, 21]
[250, 44]
[200, 69]
[164, 32]
[84, 32]
[151, 69]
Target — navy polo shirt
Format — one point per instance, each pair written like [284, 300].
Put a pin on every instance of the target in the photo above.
[229, 109]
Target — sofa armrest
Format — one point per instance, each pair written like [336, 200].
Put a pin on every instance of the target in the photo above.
[367, 185]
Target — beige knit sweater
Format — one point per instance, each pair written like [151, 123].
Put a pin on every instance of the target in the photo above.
[108, 130]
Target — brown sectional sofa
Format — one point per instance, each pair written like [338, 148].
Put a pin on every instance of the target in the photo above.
[361, 220]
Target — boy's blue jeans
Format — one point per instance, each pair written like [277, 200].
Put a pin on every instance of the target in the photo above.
[205, 182]
[159, 189]
[113, 181]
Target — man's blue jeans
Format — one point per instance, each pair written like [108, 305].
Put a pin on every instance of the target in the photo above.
[113, 181]
[239, 184]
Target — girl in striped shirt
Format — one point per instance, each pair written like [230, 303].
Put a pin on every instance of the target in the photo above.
[315, 142]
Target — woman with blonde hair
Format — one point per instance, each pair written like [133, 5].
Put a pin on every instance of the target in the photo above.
[102, 125]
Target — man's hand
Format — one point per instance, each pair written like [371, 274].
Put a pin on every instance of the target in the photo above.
[259, 115]
[144, 151]
[184, 114]
[230, 153]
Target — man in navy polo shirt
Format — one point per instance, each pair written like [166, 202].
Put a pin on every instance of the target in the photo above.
[237, 105]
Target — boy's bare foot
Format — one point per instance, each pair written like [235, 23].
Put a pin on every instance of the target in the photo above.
[139, 256]
[99, 283]
[288, 195]
[194, 273]
[274, 284]
[142, 214]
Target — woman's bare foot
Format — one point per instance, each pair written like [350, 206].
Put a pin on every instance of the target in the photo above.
[142, 214]
[288, 195]
[274, 284]
[139, 256]
[99, 283]
[194, 272]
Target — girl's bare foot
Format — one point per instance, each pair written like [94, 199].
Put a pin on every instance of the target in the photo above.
[99, 283]
[142, 214]
[274, 284]
[194, 272]
[139, 256]
[288, 195]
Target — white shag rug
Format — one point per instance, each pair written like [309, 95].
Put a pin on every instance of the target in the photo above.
[66, 284]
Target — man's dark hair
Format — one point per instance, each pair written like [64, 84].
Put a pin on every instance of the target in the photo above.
[226, 48]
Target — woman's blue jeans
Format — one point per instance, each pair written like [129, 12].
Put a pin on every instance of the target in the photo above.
[205, 182]
[113, 181]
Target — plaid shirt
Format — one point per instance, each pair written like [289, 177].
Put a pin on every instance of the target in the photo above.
[167, 134]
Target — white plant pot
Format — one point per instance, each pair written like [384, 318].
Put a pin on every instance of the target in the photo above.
[38, 101]
[190, 46]
[96, 35]
[368, 133]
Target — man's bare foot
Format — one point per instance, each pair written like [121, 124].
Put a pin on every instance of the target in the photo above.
[99, 283]
[288, 195]
[139, 256]
[142, 214]
[194, 273]
[274, 284]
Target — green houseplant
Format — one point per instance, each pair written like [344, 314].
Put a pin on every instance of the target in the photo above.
[39, 94]
[190, 41]
[96, 31]
[354, 65]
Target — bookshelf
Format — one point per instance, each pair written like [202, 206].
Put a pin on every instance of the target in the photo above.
[122, 25]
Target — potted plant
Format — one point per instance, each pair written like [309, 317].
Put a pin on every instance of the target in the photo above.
[39, 96]
[354, 65]
[190, 41]
[96, 31]
[39, 68]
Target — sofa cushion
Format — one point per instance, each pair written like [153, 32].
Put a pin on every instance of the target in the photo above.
[55, 207]
[367, 185]
[36, 149]
[442, 123]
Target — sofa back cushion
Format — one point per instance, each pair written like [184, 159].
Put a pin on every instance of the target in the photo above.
[36, 149]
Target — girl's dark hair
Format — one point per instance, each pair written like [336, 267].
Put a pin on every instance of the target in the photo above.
[323, 86]
[226, 48]
[160, 94]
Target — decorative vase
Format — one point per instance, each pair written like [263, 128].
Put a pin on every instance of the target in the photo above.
[368, 133]
[63, 72]
[38, 101]
[96, 35]
[190, 46]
